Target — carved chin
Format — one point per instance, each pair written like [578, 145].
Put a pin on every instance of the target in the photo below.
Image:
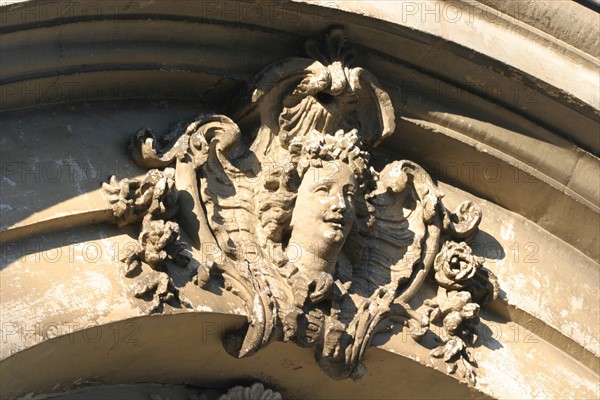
[333, 235]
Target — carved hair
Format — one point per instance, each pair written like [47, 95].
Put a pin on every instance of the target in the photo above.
[311, 150]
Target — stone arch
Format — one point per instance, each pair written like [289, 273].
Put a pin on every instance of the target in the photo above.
[474, 106]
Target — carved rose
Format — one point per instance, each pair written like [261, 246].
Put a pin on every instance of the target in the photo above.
[455, 266]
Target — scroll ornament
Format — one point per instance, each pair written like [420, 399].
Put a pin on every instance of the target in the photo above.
[338, 249]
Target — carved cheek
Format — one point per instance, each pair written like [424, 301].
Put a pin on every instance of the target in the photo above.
[349, 203]
[326, 201]
[341, 200]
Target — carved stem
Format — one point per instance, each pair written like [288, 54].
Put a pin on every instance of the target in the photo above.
[192, 216]
[432, 245]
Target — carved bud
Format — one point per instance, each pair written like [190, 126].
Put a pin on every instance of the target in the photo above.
[455, 266]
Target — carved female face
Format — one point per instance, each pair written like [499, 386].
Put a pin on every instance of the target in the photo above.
[324, 210]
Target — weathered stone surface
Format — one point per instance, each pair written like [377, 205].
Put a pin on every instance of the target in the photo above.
[207, 221]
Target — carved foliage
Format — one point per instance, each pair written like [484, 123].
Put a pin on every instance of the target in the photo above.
[154, 200]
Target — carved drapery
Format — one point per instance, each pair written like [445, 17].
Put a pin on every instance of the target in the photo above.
[324, 250]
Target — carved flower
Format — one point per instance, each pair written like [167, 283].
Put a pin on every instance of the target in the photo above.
[455, 266]
[255, 392]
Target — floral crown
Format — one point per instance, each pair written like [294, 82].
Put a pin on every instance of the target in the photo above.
[311, 150]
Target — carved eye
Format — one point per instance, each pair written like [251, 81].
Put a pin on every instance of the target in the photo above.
[322, 189]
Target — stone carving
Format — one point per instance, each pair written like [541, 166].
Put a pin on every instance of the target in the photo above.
[153, 200]
[324, 250]
[256, 391]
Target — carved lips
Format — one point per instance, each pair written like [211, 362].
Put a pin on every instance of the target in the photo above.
[336, 221]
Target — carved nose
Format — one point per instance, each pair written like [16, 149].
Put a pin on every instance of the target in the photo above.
[339, 205]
